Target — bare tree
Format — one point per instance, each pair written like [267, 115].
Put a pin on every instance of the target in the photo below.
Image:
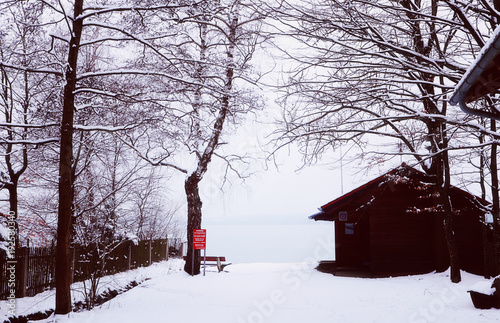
[22, 95]
[383, 68]
[73, 27]
[214, 46]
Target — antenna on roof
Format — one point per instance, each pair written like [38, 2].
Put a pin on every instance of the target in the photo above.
[400, 152]
[341, 172]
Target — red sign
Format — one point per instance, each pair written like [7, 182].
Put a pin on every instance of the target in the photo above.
[199, 239]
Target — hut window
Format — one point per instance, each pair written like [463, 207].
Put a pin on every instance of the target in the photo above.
[349, 228]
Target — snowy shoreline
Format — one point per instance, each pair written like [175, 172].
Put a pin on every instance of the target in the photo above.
[274, 292]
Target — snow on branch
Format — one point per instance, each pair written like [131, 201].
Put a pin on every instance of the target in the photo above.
[95, 11]
[28, 142]
[153, 162]
[145, 73]
[30, 70]
[105, 128]
[24, 125]
[96, 91]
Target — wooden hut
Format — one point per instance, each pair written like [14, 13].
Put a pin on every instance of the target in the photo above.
[392, 225]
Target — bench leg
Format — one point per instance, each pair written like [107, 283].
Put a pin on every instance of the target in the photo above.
[219, 265]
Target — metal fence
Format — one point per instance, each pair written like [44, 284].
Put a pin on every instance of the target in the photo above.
[33, 269]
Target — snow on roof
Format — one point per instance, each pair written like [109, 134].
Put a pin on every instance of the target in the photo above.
[373, 181]
[408, 171]
[486, 55]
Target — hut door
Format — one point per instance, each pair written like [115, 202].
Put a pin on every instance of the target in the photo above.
[352, 240]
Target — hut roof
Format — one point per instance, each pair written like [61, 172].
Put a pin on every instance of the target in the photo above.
[482, 78]
[403, 174]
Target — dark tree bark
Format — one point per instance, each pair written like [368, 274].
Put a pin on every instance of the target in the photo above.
[497, 4]
[194, 205]
[449, 231]
[440, 170]
[495, 200]
[63, 255]
[482, 183]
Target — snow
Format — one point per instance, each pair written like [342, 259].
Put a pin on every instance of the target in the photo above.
[4, 237]
[277, 292]
[488, 217]
[104, 128]
[4, 232]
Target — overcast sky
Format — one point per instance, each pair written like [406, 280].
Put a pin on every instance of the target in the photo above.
[285, 190]
[266, 216]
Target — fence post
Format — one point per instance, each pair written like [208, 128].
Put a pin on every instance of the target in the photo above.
[149, 248]
[129, 254]
[72, 251]
[166, 248]
[24, 260]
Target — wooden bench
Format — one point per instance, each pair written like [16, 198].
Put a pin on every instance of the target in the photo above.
[214, 261]
[487, 301]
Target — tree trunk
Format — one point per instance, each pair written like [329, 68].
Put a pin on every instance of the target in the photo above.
[496, 3]
[496, 202]
[13, 201]
[485, 228]
[443, 184]
[12, 185]
[192, 182]
[451, 242]
[63, 254]
[194, 204]
[445, 220]
[441, 170]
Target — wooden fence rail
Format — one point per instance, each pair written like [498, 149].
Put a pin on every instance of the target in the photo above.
[34, 267]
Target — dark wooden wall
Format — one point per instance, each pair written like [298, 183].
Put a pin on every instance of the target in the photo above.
[401, 241]
[389, 238]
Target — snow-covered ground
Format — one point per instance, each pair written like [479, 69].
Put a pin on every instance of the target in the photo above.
[276, 292]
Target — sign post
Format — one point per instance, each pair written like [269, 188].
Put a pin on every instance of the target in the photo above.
[200, 242]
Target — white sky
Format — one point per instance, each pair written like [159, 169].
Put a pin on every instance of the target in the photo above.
[265, 218]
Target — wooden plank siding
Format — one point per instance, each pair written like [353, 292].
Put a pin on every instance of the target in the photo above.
[470, 243]
[398, 227]
[401, 242]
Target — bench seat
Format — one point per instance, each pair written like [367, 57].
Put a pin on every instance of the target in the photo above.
[215, 261]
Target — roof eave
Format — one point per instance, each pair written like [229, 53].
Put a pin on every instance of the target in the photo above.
[486, 56]
[320, 216]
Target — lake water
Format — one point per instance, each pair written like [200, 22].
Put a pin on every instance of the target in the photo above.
[270, 240]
